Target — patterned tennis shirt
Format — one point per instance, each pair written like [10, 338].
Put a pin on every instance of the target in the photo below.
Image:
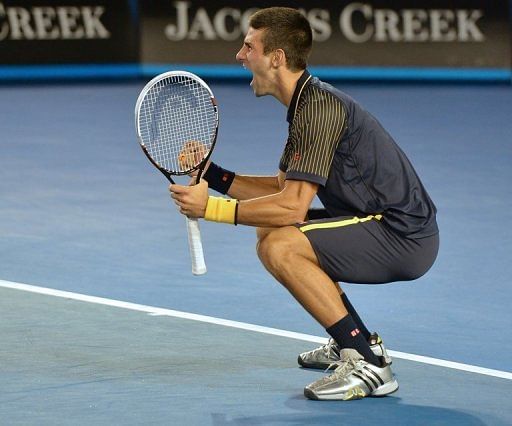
[360, 170]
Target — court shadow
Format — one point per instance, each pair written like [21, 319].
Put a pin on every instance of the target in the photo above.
[370, 411]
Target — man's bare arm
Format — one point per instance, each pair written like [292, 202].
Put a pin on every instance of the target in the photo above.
[248, 187]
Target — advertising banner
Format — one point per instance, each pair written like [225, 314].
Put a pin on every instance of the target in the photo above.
[47, 32]
[374, 33]
[432, 39]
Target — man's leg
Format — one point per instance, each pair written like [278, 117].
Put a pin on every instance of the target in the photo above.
[351, 250]
[287, 254]
[352, 311]
[321, 213]
[363, 250]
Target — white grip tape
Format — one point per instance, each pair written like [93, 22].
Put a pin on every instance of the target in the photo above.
[196, 247]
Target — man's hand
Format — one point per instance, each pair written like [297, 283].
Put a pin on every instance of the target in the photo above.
[191, 200]
[192, 153]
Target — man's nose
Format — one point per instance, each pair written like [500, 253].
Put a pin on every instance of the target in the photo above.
[239, 55]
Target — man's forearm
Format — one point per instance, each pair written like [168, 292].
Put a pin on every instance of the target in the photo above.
[248, 187]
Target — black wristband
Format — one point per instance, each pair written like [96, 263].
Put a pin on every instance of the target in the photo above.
[218, 178]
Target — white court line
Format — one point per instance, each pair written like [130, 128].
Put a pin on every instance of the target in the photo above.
[151, 310]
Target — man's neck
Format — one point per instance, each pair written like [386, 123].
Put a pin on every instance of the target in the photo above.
[287, 84]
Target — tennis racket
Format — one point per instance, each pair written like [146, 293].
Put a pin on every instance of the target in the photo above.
[177, 120]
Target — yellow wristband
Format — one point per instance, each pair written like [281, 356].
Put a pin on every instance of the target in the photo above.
[220, 209]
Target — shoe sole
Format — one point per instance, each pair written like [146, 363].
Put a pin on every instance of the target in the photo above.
[385, 389]
[355, 393]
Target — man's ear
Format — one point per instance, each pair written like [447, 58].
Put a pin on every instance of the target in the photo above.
[278, 58]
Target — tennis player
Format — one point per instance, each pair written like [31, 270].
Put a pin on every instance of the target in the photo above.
[378, 224]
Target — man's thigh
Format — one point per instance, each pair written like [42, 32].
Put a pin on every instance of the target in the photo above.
[363, 250]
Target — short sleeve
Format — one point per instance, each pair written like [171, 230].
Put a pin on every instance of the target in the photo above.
[314, 136]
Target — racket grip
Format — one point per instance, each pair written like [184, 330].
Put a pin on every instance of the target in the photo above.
[196, 247]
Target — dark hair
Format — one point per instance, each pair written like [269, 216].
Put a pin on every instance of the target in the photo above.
[287, 29]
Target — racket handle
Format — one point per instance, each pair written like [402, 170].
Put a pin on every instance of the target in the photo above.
[196, 247]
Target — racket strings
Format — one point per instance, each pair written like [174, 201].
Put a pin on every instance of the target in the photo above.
[176, 111]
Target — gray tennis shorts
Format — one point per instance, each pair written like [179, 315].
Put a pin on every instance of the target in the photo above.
[364, 250]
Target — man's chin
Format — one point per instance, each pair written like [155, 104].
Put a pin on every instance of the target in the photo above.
[257, 92]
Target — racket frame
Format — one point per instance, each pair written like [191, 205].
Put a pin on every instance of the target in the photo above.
[194, 237]
[140, 99]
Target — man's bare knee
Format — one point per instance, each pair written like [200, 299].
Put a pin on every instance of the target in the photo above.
[270, 242]
[279, 245]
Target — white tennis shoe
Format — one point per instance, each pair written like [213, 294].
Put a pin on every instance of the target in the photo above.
[353, 378]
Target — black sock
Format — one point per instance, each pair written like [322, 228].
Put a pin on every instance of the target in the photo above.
[347, 335]
[357, 319]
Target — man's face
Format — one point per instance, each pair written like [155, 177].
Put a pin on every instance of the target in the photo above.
[251, 56]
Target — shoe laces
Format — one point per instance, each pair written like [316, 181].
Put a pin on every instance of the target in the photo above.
[330, 348]
[343, 367]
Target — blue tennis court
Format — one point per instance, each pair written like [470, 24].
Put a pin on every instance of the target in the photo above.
[103, 323]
